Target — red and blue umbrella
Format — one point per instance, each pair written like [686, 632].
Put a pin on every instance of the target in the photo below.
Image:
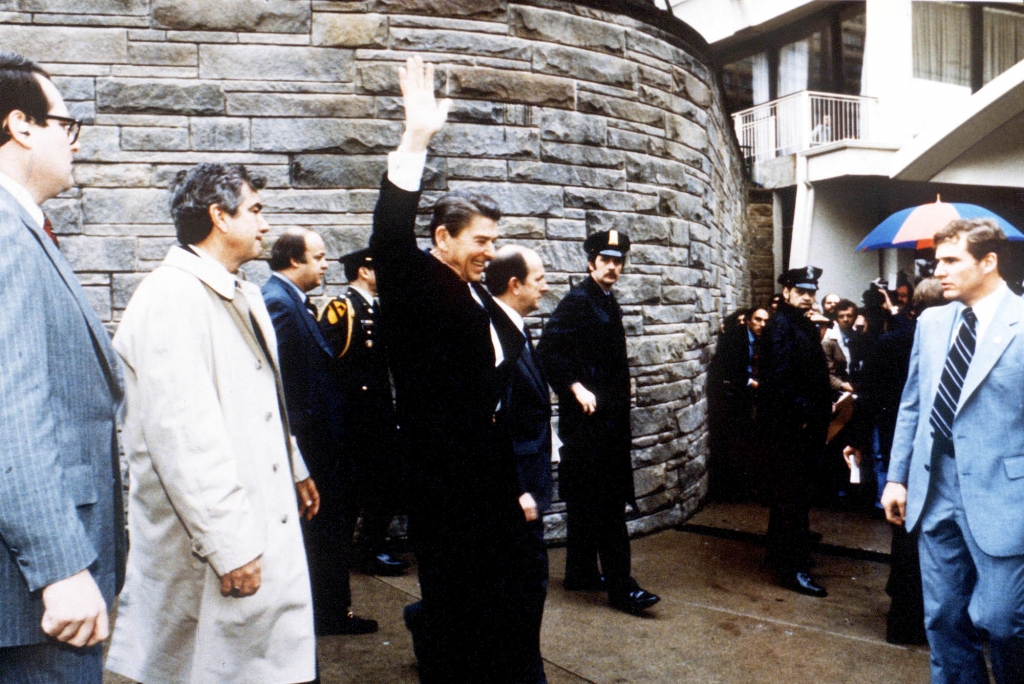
[915, 228]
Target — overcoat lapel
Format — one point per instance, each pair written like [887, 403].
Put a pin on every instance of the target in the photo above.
[997, 338]
[308, 321]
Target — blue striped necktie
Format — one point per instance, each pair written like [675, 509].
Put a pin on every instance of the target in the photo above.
[953, 374]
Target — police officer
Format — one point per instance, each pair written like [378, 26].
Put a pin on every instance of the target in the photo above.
[350, 324]
[583, 354]
[794, 411]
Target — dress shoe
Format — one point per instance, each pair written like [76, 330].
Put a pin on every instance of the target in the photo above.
[349, 624]
[815, 537]
[802, 583]
[590, 584]
[635, 602]
[386, 565]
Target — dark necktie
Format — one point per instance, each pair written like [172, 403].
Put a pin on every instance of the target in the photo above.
[48, 227]
[311, 307]
[953, 375]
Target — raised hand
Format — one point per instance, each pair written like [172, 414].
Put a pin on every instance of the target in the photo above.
[424, 115]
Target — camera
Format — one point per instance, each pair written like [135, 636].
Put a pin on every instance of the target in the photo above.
[880, 283]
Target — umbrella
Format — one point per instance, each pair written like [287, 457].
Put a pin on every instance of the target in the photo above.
[914, 228]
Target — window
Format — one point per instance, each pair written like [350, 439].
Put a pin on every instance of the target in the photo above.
[1003, 39]
[942, 42]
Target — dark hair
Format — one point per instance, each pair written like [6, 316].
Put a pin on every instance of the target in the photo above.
[843, 305]
[983, 236]
[754, 309]
[504, 267]
[21, 90]
[194, 191]
[457, 208]
[352, 268]
[291, 245]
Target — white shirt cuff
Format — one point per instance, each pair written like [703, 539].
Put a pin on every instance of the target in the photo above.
[405, 169]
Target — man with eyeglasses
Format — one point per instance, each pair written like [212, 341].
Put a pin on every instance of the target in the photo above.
[61, 515]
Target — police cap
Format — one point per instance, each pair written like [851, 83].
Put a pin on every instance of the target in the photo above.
[354, 260]
[805, 278]
[609, 243]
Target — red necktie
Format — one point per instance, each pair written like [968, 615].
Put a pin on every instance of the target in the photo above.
[48, 227]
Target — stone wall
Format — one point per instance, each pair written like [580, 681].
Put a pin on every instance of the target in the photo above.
[575, 118]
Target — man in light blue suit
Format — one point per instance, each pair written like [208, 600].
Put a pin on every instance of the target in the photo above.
[956, 476]
[61, 515]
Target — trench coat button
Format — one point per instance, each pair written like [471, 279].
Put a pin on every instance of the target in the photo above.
[364, 388]
[927, 467]
[269, 416]
[369, 343]
[284, 518]
[274, 467]
[259, 364]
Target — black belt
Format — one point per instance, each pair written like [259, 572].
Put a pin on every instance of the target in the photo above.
[943, 445]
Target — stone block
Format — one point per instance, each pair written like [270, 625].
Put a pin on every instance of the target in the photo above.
[100, 7]
[474, 111]
[564, 174]
[681, 205]
[65, 214]
[628, 140]
[581, 155]
[75, 87]
[572, 127]
[696, 90]
[650, 420]
[567, 229]
[495, 141]
[650, 230]
[654, 171]
[66, 44]
[350, 171]
[99, 299]
[559, 27]
[656, 350]
[596, 103]
[123, 287]
[269, 16]
[687, 132]
[522, 228]
[323, 105]
[146, 96]
[692, 417]
[154, 138]
[350, 30]
[315, 134]
[129, 205]
[99, 253]
[516, 199]
[585, 198]
[584, 65]
[382, 79]
[112, 175]
[460, 42]
[304, 201]
[99, 143]
[155, 248]
[461, 9]
[220, 133]
[647, 44]
[163, 54]
[649, 480]
[478, 169]
[275, 63]
[638, 289]
[504, 86]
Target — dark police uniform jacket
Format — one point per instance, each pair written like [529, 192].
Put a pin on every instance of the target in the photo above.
[584, 341]
[351, 325]
[794, 403]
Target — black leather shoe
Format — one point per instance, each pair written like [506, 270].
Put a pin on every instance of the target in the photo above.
[590, 584]
[815, 537]
[349, 624]
[802, 583]
[386, 565]
[635, 602]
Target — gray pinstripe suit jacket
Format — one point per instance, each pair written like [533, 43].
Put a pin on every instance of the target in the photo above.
[60, 392]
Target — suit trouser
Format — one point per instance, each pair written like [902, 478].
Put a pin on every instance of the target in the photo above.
[788, 536]
[967, 592]
[328, 541]
[597, 529]
[51, 663]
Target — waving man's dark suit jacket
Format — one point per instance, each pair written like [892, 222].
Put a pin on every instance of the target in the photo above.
[60, 392]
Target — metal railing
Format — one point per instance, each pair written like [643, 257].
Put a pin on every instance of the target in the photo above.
[801, 121]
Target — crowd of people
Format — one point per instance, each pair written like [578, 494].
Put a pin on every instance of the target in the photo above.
[260, 429]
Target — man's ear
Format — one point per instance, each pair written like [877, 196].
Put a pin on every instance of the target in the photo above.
[441, 235]
[514, 284]
[990, 262]
[18, 127]
[217, 216]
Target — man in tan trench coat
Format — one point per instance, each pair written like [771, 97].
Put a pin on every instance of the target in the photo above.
[217, 587]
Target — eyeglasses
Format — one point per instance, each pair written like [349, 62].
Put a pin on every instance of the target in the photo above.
[71, 126]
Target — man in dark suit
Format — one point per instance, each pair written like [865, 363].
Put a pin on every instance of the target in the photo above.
[466, 526]
[516, 279]
[315, 404]
[956, 470]
[793, 415]
[732, 397]
[583, 353]
[61, 513]
[350, 325]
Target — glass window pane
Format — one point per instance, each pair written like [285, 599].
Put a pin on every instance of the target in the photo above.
[942, 42]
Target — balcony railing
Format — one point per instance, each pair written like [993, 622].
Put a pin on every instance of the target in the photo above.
[801, 121]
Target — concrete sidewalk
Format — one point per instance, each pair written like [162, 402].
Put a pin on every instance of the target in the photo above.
[720, 620]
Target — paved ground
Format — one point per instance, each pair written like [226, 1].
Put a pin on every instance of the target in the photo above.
[721, 620]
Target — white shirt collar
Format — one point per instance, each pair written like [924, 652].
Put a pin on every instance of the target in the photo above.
[985, 308]
[24, 198]
[366, 295]
[286, 279]
[512, 314]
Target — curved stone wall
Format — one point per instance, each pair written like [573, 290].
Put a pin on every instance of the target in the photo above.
[575, 116]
